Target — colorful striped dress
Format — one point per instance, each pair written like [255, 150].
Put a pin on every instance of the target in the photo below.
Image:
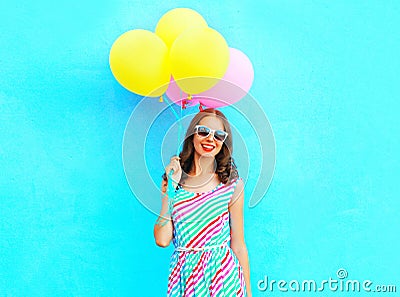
[203, 264]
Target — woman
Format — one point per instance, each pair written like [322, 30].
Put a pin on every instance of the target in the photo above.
[206, 214]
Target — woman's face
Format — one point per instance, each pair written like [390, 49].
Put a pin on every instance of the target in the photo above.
[208, 146]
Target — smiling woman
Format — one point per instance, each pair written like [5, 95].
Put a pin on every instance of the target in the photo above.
[206, 219]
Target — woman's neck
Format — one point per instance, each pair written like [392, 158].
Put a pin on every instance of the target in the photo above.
[203, 166]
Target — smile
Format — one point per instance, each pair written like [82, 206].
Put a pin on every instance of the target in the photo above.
[208, 147]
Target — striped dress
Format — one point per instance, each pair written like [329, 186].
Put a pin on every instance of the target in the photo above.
[203, 264]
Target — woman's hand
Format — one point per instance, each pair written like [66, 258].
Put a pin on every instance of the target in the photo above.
[176, 167]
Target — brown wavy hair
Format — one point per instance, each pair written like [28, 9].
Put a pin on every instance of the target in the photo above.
[226, 167]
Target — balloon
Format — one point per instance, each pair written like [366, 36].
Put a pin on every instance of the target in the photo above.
[139, 62]
[177, 96]
[176, 21]
[235, 84]
[231, 88]
[200, 54]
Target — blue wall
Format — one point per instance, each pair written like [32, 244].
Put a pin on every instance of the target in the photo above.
[325, 75]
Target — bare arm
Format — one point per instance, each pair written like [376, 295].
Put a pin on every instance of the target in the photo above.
[163, 228]
[238, 244]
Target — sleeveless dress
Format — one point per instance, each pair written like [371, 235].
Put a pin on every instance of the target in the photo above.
[203, 264]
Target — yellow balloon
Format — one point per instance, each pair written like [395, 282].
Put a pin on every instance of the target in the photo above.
[199, 58]
[176, 21]
[139, 62]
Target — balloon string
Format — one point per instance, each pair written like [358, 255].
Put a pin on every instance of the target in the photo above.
[180, 126]
[170, 187]
[179, 122]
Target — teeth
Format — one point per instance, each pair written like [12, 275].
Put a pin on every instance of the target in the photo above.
[207, 146]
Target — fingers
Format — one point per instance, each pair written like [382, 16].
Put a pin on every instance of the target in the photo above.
[176, 167]
[175, 158]
[169, 168]
[173, 165]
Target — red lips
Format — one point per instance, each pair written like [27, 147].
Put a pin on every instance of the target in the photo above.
[207, 147]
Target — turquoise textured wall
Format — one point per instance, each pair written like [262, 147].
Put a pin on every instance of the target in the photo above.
[326, 75]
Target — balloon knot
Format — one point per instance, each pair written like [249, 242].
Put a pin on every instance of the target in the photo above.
[184, 102]
[161, 99]
[189, 97]
[201, 107]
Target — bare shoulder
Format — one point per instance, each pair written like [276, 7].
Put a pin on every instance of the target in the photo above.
[238, 193]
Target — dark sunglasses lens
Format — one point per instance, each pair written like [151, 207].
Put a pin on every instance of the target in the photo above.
[220, 135]
[203, 131]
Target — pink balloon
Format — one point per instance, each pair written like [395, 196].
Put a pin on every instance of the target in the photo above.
[176, 95]
[235, 84]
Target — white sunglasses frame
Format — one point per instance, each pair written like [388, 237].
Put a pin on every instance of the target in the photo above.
[196, 129]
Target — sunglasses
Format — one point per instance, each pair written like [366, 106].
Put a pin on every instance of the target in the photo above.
[204, 131]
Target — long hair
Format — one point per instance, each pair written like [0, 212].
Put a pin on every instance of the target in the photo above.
[226, 167]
